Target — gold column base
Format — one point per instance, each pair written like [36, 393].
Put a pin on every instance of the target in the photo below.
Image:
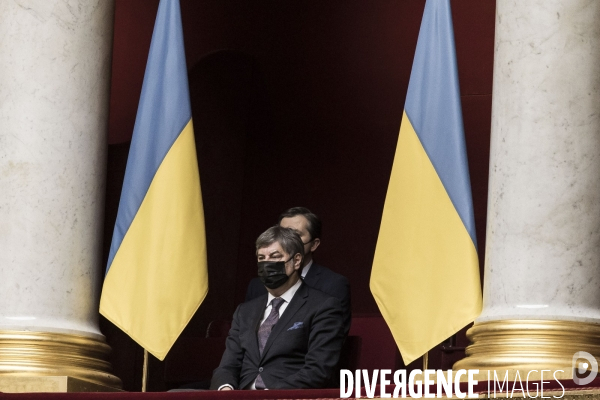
[49, 384]
[526, 345]
[25, 355]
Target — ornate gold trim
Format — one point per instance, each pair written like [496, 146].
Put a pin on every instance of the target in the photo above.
[49, 384]
[528, 344]
[25, 353]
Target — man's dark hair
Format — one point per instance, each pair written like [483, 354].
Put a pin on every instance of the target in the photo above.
[314, 223]
[288, 239]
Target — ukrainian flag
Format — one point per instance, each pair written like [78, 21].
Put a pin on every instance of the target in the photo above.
[425, 275]
[157, 275]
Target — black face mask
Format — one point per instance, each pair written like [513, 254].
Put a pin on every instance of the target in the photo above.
[272, 273]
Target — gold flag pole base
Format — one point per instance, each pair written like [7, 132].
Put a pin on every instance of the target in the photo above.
[425, 360]
[145, 372]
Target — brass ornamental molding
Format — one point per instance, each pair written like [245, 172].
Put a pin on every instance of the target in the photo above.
[528, 344]
[35, 354]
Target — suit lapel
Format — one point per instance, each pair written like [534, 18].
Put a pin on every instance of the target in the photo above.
[257, 315]
[296, 304]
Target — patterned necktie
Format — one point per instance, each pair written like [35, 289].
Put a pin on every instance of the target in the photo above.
[265, 330]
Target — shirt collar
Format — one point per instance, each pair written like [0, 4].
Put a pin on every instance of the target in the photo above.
[306, 268]
[287, 296]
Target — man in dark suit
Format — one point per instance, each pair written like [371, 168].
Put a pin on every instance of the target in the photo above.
[288, 338]
[308, 226]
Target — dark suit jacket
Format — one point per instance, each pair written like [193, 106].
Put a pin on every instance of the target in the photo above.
[320, 278]
[301, 352]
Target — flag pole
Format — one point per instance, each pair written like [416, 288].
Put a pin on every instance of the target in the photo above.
[425, 360]
[145, 372]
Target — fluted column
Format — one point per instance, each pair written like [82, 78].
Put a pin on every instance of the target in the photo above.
[55, 60]
[542, 267]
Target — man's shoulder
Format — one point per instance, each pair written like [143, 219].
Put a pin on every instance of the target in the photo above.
[255, 289]
[253, 304]
[255, 301]
[328, 274]
[255, 283]
[330, 282]
[316, 295]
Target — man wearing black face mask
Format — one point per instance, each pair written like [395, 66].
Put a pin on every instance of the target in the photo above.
[289, 338]
[308, 226]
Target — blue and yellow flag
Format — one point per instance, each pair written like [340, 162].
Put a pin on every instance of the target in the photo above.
[156, 276]
[425, 275]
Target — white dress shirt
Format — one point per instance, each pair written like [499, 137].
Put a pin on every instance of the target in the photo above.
[287, 297]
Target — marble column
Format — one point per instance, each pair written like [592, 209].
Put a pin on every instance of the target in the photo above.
[542, 267]
[55, 62]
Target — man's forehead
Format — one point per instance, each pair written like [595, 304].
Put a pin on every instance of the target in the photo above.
[270, 249]
[297, 222]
